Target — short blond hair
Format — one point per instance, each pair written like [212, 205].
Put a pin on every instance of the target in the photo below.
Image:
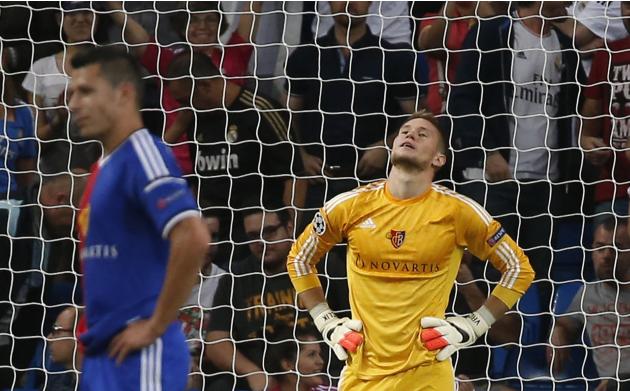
[428, 116]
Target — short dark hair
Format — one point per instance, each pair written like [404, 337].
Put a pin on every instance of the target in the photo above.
[192, 65]
[610, 222]
[117, 66]
[428, 116]
[285, 343]
[180, 19]
[281, 210]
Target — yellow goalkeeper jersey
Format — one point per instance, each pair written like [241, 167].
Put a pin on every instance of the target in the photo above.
[402, 260]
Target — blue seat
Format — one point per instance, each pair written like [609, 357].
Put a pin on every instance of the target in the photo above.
[570, 260]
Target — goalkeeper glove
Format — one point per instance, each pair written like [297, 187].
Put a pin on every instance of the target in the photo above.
[342, 335]
[448, 336]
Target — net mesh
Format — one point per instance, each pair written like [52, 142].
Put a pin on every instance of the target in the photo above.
[537, 126]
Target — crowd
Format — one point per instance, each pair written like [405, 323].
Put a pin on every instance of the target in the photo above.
[273, 108]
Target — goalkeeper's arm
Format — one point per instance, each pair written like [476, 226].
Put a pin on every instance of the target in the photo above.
[450, 334]
[342, 335]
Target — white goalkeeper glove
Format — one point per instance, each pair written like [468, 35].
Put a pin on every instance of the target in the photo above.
[342, 335]
[448, 336]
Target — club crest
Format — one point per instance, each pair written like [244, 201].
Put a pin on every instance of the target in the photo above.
[396, 237]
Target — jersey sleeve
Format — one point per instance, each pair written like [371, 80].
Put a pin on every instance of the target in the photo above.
[279, 156]
[575, 311]
[327, 229]
[486, 239]
[158, 186]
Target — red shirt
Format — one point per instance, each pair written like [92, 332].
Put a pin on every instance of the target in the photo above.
[611, 68]
[438, 87]
[232, 60]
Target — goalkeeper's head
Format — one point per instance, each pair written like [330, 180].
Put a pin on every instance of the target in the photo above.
[420, 144]
[105, 92]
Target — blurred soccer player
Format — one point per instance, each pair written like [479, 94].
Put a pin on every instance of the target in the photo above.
[142, 239]
[405, 237]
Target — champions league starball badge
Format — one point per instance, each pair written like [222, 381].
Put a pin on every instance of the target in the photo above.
[319, 224]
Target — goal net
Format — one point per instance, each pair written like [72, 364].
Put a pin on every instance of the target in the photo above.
[274, 108]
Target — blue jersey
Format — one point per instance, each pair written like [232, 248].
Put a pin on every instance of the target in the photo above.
[17, 141]
[135, 196]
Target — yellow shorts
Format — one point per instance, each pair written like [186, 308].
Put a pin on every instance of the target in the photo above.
[438, 376]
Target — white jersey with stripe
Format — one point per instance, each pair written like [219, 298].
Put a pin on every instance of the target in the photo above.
[402, 260]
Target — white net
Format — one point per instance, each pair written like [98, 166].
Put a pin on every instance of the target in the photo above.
[290, 106]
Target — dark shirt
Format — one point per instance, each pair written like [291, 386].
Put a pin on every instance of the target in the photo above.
[350, 102]
[253, 307]
[243, 151]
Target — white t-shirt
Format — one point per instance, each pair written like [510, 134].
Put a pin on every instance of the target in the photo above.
[536, 75]
[603, 18]
[46, 80]
[606, 314]
[195, 314]
[389, 17]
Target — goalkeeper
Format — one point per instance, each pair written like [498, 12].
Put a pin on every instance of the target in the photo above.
[405, 238]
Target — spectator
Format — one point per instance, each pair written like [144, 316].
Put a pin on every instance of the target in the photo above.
[243, 145]
[600, 310]
[250, 302]
[347, 93]
[64, 350]
[512, 109]
[255, 300]
[38, 266]
[387, 19]
[593, 23]
[606, 122]
[441, 36]
[48, 78]
[199, 25]
[17, 144]
[195, 314]
[297, 362]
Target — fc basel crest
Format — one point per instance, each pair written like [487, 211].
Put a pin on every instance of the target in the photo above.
[396, 237]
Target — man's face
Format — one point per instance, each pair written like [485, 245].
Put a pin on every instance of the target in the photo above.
[604, 253]
[622, 241]
[182, 90]
[93, 102]
[78, 25]
[61, 340]
[417, 145]
[59, 197]
[350, 12]
[203, 28]
[270, 239]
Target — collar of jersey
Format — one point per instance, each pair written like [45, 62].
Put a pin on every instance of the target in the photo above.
[106, 158]
[406, 201]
